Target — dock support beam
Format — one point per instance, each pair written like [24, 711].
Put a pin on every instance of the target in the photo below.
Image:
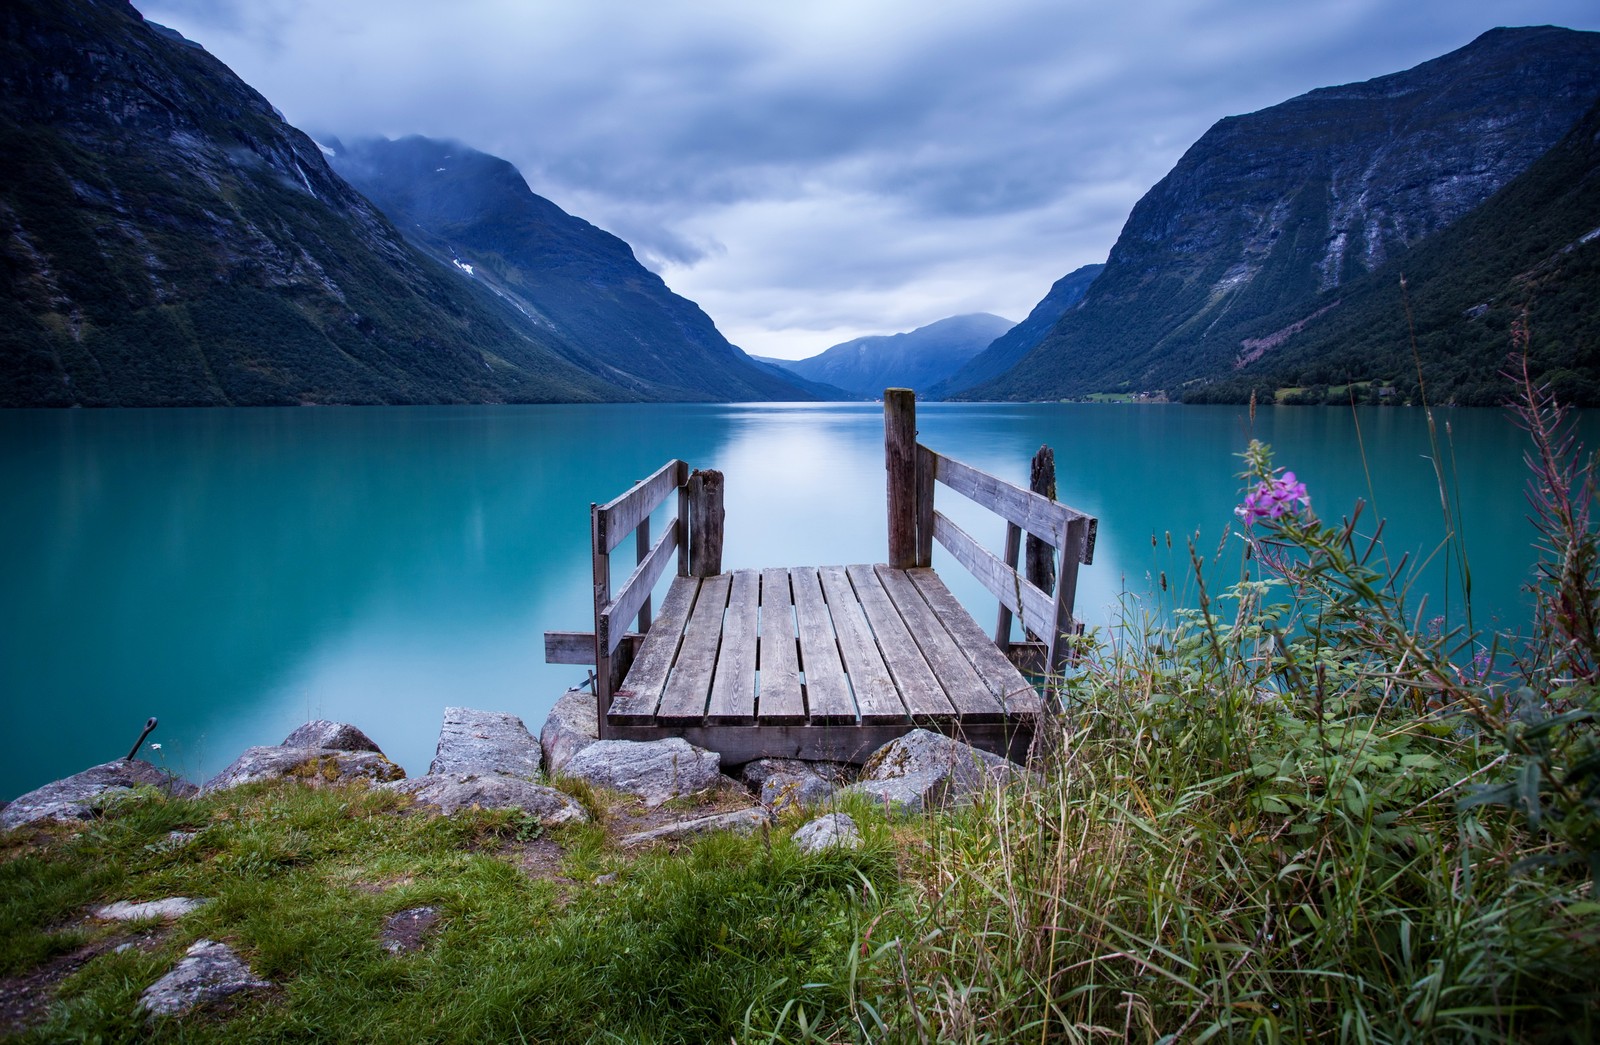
[900, 460]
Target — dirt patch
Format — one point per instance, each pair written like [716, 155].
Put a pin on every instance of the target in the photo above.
[25, 999]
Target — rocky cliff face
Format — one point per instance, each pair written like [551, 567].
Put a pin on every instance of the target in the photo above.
[168, 240]
[1270, 212]
[474, 213]
[1009, 348]
[916, 360]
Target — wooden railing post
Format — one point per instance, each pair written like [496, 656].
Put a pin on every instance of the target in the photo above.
[900, 460]
[706, 516]
[605, 680]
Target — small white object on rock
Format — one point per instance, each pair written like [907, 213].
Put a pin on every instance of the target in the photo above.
[927, 770]
[128, 911]
[571, 726]
[825, 832]
[208, 972]
[485, 743]
[742, 821]
[656, 771]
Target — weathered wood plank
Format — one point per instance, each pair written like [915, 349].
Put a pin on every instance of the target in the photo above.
[689, 685]
[968, 694]
[846, 743]
[635, 592]
[641, 550]
[926, 465]
[706, 517]
[779, 700]
[733, 689]
[1035, 609]
[1002, 628]
[636, 699]
[577, 647]
[877, 700]
[922, 691]
[828, 699]
[619, 516]
[1039, 516]
[900, 467]
[1008, 686]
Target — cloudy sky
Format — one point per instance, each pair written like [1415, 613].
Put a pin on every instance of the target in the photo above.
[812, 172]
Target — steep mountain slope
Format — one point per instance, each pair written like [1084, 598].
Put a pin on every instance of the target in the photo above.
[475, 212]
[169, 240]
[1267, 211]
[1009, 348]
[916, 360]
[1534, 247]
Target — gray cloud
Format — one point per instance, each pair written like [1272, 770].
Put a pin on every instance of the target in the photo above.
[843, 167]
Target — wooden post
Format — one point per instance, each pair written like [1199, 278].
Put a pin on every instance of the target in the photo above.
[1040, 557]
[927, 472]
[604, 681]
[900, 460]
[706, 516]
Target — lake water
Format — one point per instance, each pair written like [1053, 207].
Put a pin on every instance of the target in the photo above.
[237, 572]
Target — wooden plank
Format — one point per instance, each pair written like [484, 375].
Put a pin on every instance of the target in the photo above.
[779, 700]
[618, 517]
[642, 548]
[847, 743]
[1013, 692]
[921, 690]
[877, 700]
[706, 516]
[927, 463]
[689, 685]
[1066, 598]
[619, 613]
[1002, 627]
[636, 699]
[577, 647]
[968, 694]
[1032, 606]
[900, 466]
[733, 689]
[827, 691]
[1044, 518]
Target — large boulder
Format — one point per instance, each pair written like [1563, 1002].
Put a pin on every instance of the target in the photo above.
[927, 770]
[572, 725]
[450, 793]
[336, 736]
[656, 771]
[208, 972]
[783, 783]
[310, 765]
[79, 796]
[485, 743]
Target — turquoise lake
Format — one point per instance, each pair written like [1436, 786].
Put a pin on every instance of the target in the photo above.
[237, 572]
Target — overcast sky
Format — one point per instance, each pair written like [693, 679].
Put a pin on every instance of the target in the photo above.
[812, 172]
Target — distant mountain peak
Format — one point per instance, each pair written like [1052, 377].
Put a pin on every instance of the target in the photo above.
[916, 359]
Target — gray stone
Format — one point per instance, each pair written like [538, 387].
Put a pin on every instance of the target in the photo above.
[927, 770]
[310, 765]
[208, 972]
[835, 829]
[656, 771]
[485, 742]
[571, 726]
[786, 782]
[77, 797]
[405, 931]
[742, 821]
[335, 736]
[127, 911]
[450, 793]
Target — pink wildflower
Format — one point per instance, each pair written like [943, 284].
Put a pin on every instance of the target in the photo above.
[1274, 498]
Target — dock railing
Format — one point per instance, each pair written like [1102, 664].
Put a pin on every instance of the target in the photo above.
[914, 472]
[695, 534]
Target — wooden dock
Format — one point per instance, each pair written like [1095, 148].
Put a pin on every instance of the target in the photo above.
[829, 662]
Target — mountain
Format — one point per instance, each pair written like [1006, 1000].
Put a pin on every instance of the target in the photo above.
[474, 213]
[169, 240]
[916, 360]
[1269, 211]
[1007, 350]
[1532, 250]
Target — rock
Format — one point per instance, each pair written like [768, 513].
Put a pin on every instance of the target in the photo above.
[77, 797]
[405, 931]
[484, 743]
[927, 770]
[127, 911]
[336, 736]
[571, 726]
[656, 771]
[452, 793]
[315, 766]
[835, 829]
[743, 821]
[786, 782]
[208, 972]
